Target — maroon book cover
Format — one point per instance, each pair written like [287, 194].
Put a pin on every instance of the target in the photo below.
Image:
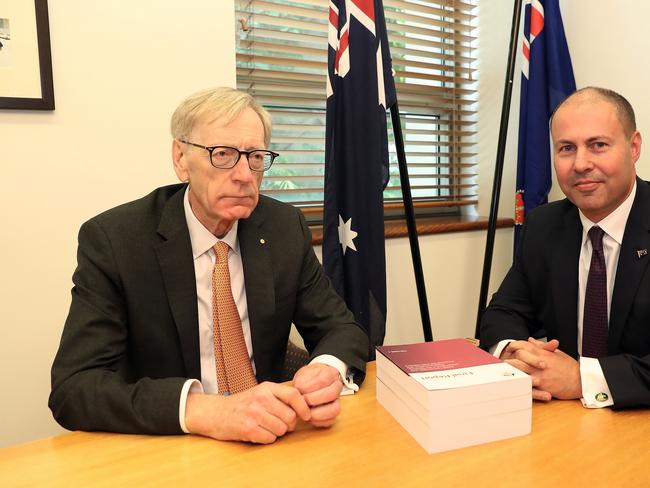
[444, 355]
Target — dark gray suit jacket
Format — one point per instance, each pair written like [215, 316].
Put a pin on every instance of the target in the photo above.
[131, 337]
[541, 292]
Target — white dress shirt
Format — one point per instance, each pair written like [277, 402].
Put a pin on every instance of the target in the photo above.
[595, 391]
[203, 242]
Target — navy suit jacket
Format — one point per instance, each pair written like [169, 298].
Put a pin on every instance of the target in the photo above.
[131, 337]
[541, 292]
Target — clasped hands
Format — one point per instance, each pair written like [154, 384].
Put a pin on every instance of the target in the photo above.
[554, 373]
[268, 410]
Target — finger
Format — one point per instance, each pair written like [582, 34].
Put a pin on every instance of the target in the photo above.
[252, 430]
[325, 414]
[324, 395]
[541, 395]
[314, 377]
[323, 424]
[275, 425]
[262, 408]
[260, 435]
[551, 345]
[536, 342]
[520, 365]
[531, 358]
[291, 396]
[513, 347]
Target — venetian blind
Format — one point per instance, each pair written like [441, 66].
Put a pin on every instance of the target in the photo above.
[282, 61]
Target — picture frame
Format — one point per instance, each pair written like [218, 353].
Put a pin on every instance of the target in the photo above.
[25, 56]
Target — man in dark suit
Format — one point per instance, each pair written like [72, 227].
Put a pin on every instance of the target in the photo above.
[143, 349]
[581, 272]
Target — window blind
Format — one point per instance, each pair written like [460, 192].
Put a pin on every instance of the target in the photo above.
[282, 61]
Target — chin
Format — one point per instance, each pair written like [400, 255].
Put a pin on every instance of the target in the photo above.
[241, 212]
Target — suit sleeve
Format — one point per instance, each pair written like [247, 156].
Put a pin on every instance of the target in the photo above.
[628, 378]
[91, 388]
[322, 317]
[511, 312]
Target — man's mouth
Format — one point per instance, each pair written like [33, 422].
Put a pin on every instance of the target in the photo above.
[586, 185]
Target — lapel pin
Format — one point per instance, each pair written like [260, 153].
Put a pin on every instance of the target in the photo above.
[262, 241]
[641, 252]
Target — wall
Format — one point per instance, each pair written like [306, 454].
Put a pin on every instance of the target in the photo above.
[608, 47]
[121, 67]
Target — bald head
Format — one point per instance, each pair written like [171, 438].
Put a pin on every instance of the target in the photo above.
[624, 111]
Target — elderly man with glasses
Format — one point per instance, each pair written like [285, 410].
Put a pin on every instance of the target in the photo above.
[183, 300]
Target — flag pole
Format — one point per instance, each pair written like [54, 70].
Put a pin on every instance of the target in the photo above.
[498, 169]
[410, 223]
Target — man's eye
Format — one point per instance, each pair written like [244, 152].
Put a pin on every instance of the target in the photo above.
[565, 148]
[599, 145]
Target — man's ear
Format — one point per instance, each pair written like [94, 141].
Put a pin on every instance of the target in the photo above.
[180, 161]
[635, 146]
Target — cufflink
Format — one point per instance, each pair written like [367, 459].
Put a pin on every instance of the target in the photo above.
[601, 397]
[262, 241]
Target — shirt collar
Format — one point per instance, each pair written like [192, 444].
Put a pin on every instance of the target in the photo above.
[202, 239]
[614, 223]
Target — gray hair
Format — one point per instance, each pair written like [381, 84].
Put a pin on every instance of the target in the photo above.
[222, 103]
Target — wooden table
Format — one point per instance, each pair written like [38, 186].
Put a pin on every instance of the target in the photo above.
[569, 446]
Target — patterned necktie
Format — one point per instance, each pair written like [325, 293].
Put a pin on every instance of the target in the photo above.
[594, 326]
[234, 370]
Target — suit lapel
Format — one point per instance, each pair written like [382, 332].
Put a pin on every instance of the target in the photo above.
[631, 266]
[255, 246]
[564, 269]
[177, 269]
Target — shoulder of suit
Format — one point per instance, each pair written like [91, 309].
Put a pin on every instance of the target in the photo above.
[552, 210]
[142, 208]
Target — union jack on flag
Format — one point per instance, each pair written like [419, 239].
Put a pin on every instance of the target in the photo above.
[547, 78]
[360, 88]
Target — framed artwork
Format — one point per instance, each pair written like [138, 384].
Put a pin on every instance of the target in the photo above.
[25, 56]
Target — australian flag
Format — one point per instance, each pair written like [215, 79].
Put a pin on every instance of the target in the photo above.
[547, 78]
[360, 88]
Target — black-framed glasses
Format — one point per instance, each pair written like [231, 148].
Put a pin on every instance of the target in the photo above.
[226, 157]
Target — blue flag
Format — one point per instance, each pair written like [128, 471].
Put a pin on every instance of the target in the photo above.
[360, 88]
[547, 78]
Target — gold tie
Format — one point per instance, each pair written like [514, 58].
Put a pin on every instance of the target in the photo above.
[234, 370]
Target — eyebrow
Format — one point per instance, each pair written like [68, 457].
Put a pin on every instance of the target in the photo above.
[589, 140]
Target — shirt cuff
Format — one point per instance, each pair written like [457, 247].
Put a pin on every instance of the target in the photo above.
[190, 386]
[349, 386]
[498, 348]
[595, 392]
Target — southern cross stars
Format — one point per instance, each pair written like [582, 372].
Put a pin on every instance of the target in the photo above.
[346, 234]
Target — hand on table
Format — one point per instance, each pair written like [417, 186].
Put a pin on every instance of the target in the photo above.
[261, 414]
[554, 373]
[320, 386]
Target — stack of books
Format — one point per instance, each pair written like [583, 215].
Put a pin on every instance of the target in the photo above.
[449, 394]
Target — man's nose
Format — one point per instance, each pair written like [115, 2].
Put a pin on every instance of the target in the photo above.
[582, 160]
[242, 171]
